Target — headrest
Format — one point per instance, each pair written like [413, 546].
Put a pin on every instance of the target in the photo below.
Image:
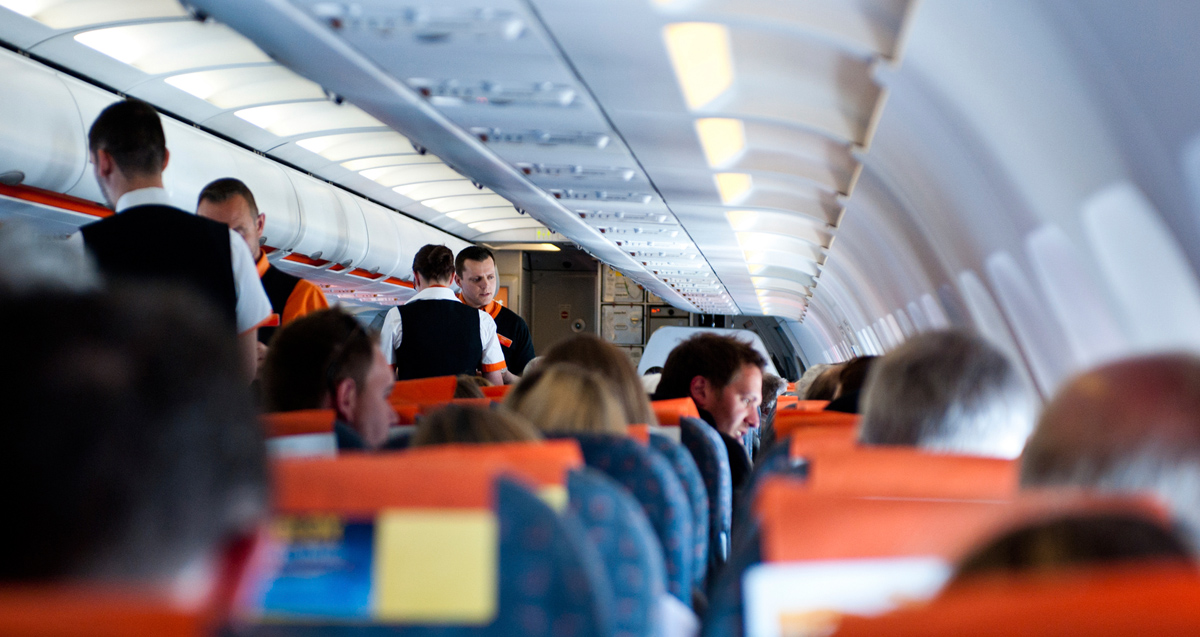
[1100, 602]
[73, 611]
[496, 392]
[799, 525]
[299, 423]
[421, 390]
[668, 412]
[905, 472]
[789, 420]
[813, 440]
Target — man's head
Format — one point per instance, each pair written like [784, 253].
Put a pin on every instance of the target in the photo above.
[1133, 425]
[131, 450]
[229, 201]
[433, 265]
[127, 148]
[327, 360]
[721, 374]
[475, 271]
[949, 392]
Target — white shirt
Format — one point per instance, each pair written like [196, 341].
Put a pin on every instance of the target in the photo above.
[253, 306]
[389, 336]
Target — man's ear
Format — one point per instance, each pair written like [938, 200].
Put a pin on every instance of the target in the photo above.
[345, 398]
[103, 161]
[701, 391]
[166, 158]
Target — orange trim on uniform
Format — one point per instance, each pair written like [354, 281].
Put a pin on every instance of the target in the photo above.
[492, 309]
[494, 367]
[270, 321]
[305, 298]
[55, 200]
[504, 340]
[263, 265]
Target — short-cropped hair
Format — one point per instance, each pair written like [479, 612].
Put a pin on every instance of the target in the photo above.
[472, 253]
[715, 357]
[308, 357]
[220, 190]
[434, 263]
[131, 448]
[949, 392]
[132, 133]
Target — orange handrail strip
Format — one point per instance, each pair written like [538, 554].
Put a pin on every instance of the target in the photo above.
[496, 392]
[76, 611]
[902, 472]
[798, 525]
[1152, 599]
[668, 412]
[788, 420]
[55, 200]
[424, 390]
[542, 463]
[296, 423]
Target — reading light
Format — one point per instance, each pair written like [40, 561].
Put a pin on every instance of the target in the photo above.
[723, 139]
[700, 53]
[733, 187]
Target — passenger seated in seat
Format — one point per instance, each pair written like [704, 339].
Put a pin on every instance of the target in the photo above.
[328, 360]
[772, 387]
[565, 398]
[723, 376]
[851, 378]
[948, 392]
[131, 455]
[1129, 426]
[467, 387]
[458, 424]
[822, 385]
[591, 352]
[1075, 540]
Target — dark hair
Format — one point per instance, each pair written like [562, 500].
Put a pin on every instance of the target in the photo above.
[471, 253]
[854, 374]
[308, 357]
[1078, 539]
[434, 263]
[221, 190]
[825, 385]
[132, 133]
[466, 387]
[591, 352]
[458, 424]
[130, 441]
[717, 358]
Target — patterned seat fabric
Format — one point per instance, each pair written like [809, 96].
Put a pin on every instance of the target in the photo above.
[724, 617]
[693, 483]
[653, 483]
[552, 581]
[614, 521]
[708, 451]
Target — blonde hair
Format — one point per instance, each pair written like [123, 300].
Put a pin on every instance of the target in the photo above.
[458, 424]
[593, 353]
[566, 398]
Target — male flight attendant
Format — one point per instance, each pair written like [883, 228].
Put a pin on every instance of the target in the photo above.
[475, 273]
[229, 201]
[149, 239]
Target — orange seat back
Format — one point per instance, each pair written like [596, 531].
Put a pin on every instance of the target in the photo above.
[787, 402]
[789, 420]
[1099, 602]
[406, 413]
[799, 525]
[424, 390]
[812, 440]
[93, 612]
[904, 472]
[640, 433]
[496, 392]
[299, 423]
[481, 403]
[668, 412]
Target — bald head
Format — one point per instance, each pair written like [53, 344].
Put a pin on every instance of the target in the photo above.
[1133, 425]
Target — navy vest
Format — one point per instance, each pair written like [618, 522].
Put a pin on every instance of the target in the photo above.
[163, 244]
[279, 286]
[438, 338]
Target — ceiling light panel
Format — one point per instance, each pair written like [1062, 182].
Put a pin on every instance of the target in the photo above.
[393, 176]
[358, 145]
[450, 204]
[701, 55]
[438, 189]
[159, 48]
[246, 86]
[306, 118]
[475, 215]
[73, 14]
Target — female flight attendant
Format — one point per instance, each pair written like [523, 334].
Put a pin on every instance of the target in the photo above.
[435, 334]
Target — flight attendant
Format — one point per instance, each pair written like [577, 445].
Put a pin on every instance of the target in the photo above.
[435, 334]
